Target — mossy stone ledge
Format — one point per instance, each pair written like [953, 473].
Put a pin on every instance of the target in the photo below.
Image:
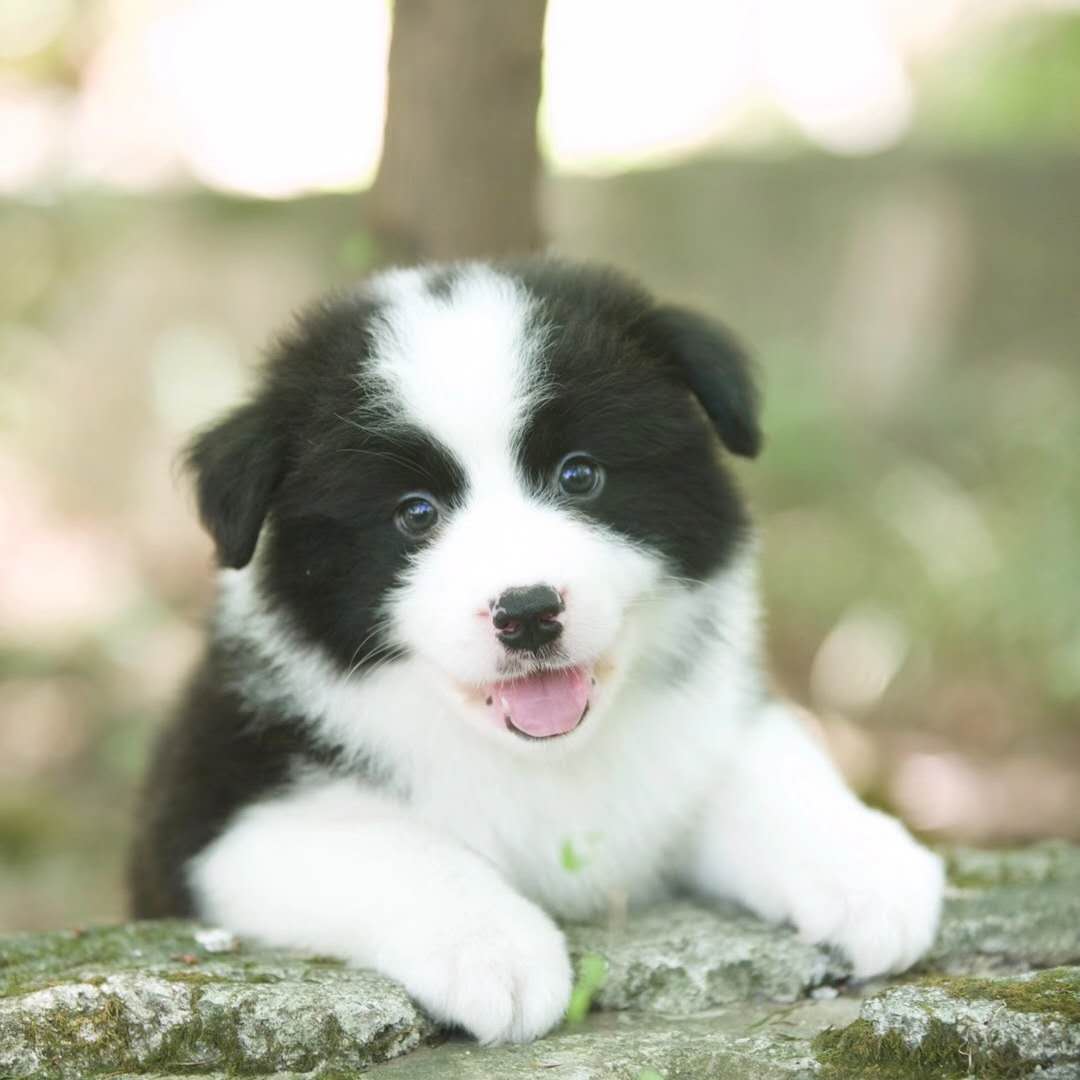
[1009, 1026]
[688, 990]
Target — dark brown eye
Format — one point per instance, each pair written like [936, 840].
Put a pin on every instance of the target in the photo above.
[580, 476]
[416, 515]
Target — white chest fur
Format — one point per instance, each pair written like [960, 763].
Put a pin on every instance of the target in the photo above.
[574, 826]
[574, 831]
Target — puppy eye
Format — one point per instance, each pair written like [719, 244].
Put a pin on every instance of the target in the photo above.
[416, 515]
[580, 476]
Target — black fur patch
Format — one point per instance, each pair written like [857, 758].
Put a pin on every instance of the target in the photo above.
[715, 367]
[334, 550]
[315, 455]
[217, 757]
[622, 396]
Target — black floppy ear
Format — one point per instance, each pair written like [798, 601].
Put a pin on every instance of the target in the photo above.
[237, 465]
[716, 369]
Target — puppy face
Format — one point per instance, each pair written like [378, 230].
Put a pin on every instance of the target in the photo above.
[493, 471]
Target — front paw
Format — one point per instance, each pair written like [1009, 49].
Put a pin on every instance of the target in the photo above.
[875, 893]
[505, 977]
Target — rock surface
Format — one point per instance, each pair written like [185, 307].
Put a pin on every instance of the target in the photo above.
[1004, 1026]
[154, 997]
[687, 991]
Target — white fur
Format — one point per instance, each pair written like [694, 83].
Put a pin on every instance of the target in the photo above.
[782, 834]
[439, 879]
[331, 869]
[464, 368]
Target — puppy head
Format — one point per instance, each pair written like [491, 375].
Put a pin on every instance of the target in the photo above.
[492, 471]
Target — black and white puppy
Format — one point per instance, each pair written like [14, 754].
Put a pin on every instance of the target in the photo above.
[487, 597]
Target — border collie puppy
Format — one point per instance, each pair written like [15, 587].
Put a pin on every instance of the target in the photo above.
[487, 597]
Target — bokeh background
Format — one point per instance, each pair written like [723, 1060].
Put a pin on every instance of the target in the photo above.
[882, 196]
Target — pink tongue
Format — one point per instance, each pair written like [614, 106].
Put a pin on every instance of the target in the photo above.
[545, 704]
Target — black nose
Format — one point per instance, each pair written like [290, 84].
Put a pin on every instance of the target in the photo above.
[528, 618]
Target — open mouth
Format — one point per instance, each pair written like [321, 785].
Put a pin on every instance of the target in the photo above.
[543, 705]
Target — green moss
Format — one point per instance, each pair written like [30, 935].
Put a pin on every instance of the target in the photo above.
[99, 1039]
[964, 879]
[191, 978]
[210, 1040]
[248, 976]
[93, 1039]
[858, 1052]
[1056, 991]
[91, 1032]
[33, 961]
[1039, 864]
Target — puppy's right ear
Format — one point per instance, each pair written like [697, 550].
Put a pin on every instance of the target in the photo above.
[716, 369]
[237, 464]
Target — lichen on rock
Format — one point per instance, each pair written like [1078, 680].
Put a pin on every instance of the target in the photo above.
[1015, 911]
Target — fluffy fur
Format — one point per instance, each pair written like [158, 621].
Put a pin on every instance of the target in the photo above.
[338, 778]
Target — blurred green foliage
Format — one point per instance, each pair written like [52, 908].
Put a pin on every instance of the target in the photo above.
[1012, 84]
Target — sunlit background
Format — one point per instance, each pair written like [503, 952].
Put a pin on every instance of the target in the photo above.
[883, 196]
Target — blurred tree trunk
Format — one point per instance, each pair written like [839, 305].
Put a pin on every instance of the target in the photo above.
[460, 168]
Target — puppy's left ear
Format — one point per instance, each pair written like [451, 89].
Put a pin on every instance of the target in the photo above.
[716, 369]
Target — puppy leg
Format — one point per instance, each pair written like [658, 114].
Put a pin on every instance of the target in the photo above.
[784, 836]
[345, 873]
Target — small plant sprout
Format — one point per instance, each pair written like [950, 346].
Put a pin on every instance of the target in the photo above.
[592, 974]
[577, 851]
[571, 859]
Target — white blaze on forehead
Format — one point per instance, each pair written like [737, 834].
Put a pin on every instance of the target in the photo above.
[462, 365]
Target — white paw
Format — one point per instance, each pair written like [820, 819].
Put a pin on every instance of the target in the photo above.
[872, 891]
[504, 975]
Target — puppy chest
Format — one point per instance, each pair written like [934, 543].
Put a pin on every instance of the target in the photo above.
[576, 850]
